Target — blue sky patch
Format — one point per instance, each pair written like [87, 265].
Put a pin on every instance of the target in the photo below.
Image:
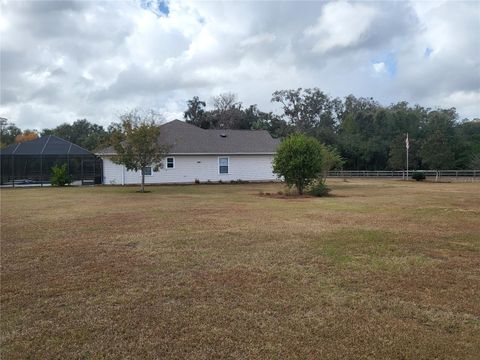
[163, 7]
[158, 7]
[389, 64]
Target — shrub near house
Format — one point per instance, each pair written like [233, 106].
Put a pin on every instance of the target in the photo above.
[299, 161]
[60, 176]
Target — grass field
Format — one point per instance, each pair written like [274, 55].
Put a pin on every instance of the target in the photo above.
[381, 269]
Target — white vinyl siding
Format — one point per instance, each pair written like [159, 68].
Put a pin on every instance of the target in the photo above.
[201, 167]
[113, 174]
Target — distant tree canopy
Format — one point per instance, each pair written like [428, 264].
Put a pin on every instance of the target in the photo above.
[26, 135]
[229, 113]
[195, 114]
[82, 132]
[366, 134]
[8, 133]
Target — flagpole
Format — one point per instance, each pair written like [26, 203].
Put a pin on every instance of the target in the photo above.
[407, 145]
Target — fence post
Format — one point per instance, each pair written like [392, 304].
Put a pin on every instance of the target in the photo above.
[13, 171]
[41, 170]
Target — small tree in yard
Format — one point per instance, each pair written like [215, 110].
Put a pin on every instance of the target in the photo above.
[299, 161]
[137, 144]
[60, 176]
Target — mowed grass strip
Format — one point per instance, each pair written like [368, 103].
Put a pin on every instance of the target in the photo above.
[381, 269]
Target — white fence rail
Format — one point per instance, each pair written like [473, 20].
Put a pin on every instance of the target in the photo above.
[460, 175]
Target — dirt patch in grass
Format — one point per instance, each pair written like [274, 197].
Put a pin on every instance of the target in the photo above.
[383, 270]
[281, 195]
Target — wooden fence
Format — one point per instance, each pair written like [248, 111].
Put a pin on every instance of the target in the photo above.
[438, 175]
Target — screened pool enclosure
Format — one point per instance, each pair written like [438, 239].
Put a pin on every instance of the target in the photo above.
[31, 162]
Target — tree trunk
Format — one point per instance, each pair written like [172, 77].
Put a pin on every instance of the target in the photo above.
[300, 188]
[143, 181]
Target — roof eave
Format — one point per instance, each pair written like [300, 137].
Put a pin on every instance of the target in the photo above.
[203, 153]
[224, 153]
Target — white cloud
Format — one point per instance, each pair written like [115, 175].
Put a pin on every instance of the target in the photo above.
[63, 60]
[4, 23]
[452, 31]
[259, 39]
[379, 67]
[469, 101]
[341, 24]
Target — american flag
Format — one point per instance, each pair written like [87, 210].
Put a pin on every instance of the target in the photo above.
[407, 143]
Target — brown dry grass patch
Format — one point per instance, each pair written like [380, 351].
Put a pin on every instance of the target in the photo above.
[381, 269]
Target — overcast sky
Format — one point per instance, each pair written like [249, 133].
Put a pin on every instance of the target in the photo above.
[65, 60]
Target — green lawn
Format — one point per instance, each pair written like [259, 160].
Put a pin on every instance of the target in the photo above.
[380, 269]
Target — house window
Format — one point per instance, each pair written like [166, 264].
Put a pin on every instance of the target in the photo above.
[223, 165]
[147, 170]
[170, 163]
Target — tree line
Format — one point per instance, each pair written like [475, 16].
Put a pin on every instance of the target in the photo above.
[366, 134]
[81, 132]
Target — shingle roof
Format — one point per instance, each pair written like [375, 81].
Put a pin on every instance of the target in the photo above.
[45, 145]
[189, 139]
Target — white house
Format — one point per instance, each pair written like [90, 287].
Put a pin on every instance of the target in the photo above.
[203, 155]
